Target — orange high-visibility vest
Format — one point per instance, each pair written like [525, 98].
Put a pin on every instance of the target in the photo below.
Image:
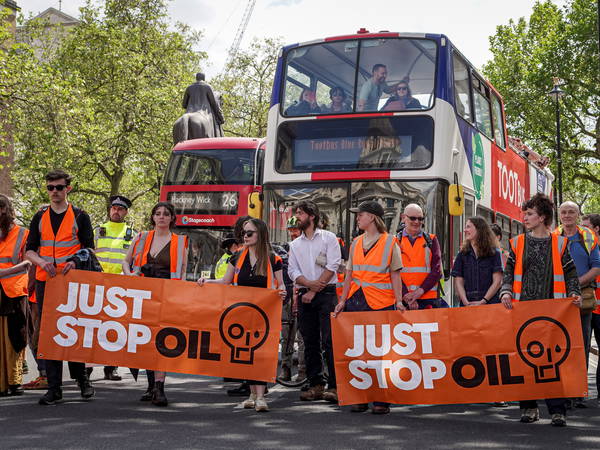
[177, 253]
[416, 259]
[559, 245]
[271, 281]
[57, 248]
[371, 272]
[11, 249]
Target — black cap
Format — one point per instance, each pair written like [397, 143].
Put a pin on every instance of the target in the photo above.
[120, 200]
[372, 207]
[228, 241]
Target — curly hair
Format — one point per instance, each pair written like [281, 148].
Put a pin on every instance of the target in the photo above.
[543, 205]
[485, 240]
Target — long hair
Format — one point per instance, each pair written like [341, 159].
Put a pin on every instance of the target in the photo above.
[380, 224]
[169, 206]
[8, 217]
[485, 241]
[263, 247]
[408, 90]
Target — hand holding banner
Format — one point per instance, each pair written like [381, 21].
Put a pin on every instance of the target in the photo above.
[460, 355]
[151, 323]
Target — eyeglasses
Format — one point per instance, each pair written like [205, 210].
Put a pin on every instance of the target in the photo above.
[414, 218]
[249, 233]
[58, 187]
[402, 88]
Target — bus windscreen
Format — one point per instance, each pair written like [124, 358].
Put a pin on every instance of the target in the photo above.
[211, 167]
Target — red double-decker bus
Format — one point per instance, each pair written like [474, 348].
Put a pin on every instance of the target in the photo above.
[211, 182]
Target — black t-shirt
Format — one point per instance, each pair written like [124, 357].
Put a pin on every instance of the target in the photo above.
[246, 276]
[85, 233]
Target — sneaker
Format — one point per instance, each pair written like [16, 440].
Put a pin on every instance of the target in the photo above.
[111, 373]
[250, 402]
[500, 404]
[313, 393]
[530, 415]
[261, 405]
[559, 420]
[51, 397]
[87, 390]
[330, 395]
[40, 383]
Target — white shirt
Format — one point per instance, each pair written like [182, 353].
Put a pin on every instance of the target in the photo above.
[304, 252]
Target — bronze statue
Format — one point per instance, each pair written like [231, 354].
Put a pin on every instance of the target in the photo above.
[203, 116]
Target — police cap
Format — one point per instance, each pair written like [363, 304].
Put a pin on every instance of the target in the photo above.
[120, 200]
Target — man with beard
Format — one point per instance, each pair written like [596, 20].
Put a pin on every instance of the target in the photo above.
[313, 262]
[56, 232]
[112, 240]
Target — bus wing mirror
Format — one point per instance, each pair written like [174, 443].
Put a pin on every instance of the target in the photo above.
[456, 200]
[255, 203]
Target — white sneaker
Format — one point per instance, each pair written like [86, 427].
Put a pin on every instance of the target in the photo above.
[250, 402]
[261, 405]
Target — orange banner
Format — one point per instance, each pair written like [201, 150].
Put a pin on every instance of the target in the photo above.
[460, 355]
[150, 323]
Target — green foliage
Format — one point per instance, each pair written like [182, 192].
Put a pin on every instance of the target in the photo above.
[526, 55]
[100, 102]
[246, 88]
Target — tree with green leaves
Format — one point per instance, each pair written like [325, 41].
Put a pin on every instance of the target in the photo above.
[100, 103]
[563, 43]
[246, 86]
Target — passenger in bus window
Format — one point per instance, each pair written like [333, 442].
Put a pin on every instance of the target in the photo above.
[373, 88]
[498, 233]
[402, 99]
[307, 104]
[477, 268]
[338, 101]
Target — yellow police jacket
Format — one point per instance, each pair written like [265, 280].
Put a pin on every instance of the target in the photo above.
[112, 242]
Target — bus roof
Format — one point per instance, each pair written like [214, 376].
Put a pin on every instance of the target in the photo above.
[221, 143]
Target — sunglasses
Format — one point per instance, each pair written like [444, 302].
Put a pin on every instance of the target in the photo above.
[402, 88]
[58, 187]
[414, 218]
[249, 233]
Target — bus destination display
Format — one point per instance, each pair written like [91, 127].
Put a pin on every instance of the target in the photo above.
[203, 203]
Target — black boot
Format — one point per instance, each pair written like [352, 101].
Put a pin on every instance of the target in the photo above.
[147, 396]
[159, 398]
[87, 391]
[110, 373]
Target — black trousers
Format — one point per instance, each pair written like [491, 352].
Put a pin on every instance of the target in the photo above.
[596, 329]
[555, 405]
[54, 368]
[315, 327]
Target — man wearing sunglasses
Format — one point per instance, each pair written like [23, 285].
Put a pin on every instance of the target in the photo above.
[58, 231]
[421, 256]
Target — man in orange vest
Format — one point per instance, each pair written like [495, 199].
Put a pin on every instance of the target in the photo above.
[421, 256]
[592, 221]
[539, 267]
[57, 232]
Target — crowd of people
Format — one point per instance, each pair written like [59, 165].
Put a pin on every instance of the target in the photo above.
[318, 279]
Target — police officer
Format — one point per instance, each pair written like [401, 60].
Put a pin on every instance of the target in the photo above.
[112, 239]
[230, 245]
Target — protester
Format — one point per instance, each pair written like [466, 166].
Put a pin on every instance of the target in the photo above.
[13, 300]
[498, 233]
[422, 259]
[57, 232]
[540, 267]
[477, 268]
[254, 266]
[158, 254]
[583, 247]
[314, 260]
[112, 239]
[592, 221]
[372, 281]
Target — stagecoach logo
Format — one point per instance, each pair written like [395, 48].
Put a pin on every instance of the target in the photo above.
[478, 165]
[244, 327]
[185, 220]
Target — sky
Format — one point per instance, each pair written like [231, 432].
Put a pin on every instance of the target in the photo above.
[468, 23]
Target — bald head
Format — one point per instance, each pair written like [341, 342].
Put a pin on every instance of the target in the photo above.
[568, 214]
[413, 219]
[413, 209]
[569, 205]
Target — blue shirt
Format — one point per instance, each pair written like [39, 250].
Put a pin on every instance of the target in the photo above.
[477, 274]
[583, 261]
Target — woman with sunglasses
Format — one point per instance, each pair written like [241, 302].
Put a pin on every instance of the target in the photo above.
[402, 99]
[13, 298]
[255, 266]
[158, 253]
[338, 101]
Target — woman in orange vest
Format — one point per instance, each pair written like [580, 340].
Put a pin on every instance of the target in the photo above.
[539, 267]
[13, 298]
[373, 281]
[158, 254]
[256, 266]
